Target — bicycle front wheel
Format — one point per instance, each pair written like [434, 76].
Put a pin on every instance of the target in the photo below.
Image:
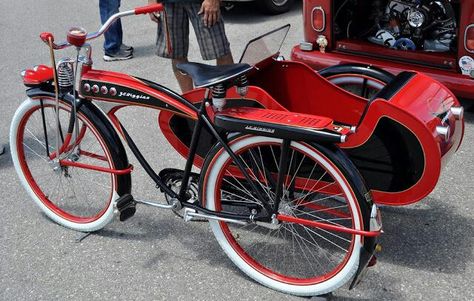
[78, 198]
[292, 257]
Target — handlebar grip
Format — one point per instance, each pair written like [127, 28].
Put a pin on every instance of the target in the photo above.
[46, 36]
[149, 9]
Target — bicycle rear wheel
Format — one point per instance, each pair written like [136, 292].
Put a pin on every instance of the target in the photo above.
[292, 257]
[78, 198]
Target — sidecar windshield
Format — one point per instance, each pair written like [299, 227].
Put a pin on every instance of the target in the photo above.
[264, 46]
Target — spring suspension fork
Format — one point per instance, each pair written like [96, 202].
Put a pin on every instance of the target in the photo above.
[56, 95]
[44, 128]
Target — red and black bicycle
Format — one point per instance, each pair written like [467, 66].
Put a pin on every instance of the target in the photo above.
[287, 180]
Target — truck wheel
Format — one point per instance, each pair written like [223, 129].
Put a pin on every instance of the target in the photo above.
[275, 7]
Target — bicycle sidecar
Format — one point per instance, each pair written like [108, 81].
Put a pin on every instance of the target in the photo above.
[400, 140]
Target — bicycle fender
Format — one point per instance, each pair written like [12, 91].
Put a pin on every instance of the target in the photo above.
[100, 120]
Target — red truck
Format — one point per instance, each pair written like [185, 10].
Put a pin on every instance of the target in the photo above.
[434, 37]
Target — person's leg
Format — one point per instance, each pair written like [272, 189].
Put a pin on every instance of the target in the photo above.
[185, 82]
[212, 40]
[225, 60]
[113, 36]
[177, 24]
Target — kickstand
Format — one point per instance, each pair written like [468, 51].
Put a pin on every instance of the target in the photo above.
[82, 236]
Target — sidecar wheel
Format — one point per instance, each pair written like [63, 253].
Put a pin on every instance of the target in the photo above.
[361, 80]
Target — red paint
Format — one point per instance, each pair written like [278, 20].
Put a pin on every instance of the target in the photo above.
[444, 67]
[280, 118]
[149, 9]
[326, 226]
[46, 37]
[133, 83]
[42, 74]
[246, 257]
[97, 168]
[196, 96]
[37, 190]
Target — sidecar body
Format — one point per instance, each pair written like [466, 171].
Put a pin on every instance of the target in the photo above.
[399, 140]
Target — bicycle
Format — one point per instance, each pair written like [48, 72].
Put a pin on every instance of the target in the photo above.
[285, 203]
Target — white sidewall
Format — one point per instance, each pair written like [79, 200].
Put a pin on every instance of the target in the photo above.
[305, 290]
[108, 215]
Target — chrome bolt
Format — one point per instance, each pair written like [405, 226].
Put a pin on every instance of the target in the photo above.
[95, 89]
[113, 91]
[87, 88]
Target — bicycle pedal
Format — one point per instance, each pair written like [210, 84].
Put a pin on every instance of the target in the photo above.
[126, 206]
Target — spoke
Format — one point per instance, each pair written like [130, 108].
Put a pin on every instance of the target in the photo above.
[42, 157]
[288, 171]
[326, 239]
[295, 233]
[256, 178]
[330, 220]
[328, 232]
[274, 158]
[297, 170]
[37, 139]
[319, 200]
[244, 189]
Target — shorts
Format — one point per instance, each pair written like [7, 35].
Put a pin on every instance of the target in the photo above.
[212, 41]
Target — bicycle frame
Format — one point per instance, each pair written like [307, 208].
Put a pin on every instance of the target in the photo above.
[113, 91]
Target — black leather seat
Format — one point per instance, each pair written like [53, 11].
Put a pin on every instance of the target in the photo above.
[206, 75]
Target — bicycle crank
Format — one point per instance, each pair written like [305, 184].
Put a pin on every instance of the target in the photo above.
[173, 178]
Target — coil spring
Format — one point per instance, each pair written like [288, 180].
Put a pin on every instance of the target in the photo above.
[65, 76]
[243, 81]
[242, 85]
[218, 91]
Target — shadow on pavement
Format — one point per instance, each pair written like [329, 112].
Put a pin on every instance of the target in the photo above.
[434, 238]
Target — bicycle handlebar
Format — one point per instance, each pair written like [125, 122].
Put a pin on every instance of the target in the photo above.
[47, 36]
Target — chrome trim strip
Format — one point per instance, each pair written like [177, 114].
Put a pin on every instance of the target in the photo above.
[324, 18]
[465, 38]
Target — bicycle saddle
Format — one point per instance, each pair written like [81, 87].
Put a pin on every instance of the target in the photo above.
[206, 75]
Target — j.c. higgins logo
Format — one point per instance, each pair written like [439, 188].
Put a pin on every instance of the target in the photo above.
[134, 96]
[259, 129]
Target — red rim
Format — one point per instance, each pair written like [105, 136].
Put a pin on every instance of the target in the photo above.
[249, 259]
[37, 190]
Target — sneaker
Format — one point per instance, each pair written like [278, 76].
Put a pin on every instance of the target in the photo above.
[119, 56]
[126, 48]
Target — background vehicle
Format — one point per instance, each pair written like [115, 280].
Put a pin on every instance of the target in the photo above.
[437, 40]
[272, 7]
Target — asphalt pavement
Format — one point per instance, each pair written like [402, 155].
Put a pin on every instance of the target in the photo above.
[427, 248]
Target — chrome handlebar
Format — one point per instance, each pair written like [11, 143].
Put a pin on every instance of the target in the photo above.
[48, 37]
